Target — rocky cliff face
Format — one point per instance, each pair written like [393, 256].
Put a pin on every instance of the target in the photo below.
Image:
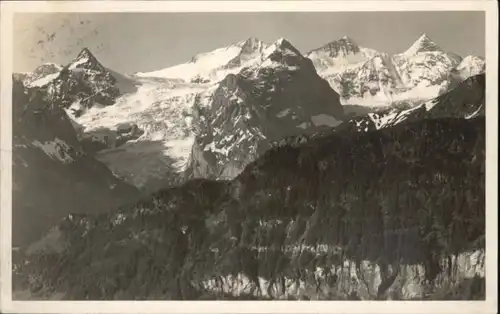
[280, 96]
[365, 220]
[52, 174]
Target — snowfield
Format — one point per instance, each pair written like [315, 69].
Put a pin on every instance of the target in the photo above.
[409, 284]
[162, 109]
[57, 150]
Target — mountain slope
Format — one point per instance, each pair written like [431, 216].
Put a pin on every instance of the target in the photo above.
[239, 118]
[424, 64]
[161, 119]
[302, 234]
[52, 174]
[466, 100]
[213, 115]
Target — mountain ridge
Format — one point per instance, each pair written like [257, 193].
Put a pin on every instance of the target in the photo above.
[168, 119]
[365, 77]
[280, 95]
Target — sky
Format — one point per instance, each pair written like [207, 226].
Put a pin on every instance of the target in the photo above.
[141, 42]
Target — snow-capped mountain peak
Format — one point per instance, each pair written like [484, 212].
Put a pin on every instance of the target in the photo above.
[86, 60]
[42, 75]
[423, 44]
[471, 65]
[284, 44]
[340, 48]
[251, 45]
[250, 49]
[278, 94]
[213, 66]
[280, 47]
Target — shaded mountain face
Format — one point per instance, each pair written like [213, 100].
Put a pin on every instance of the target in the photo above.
[466, 100]
[280, 96]
[371, 216]
[52, 174]
[365, 77]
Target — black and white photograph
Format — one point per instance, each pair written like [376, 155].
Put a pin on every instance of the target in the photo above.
[249, 155]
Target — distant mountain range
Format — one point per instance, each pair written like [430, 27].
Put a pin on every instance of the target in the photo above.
[53, 175]
[228, 104]
[252, 163]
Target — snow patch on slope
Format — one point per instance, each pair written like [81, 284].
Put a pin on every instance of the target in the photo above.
[326, 120]
[56, 149]
[78, 62]
[474, 114]
[43, 80]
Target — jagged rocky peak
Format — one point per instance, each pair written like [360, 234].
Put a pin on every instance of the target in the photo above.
[472, 65]
[251, 45]
[42, 74]
[86, 60]
[423, 44]
[340, 47]
[282, 44]
[282, 52]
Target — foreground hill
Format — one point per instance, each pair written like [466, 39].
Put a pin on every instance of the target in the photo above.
[395, 213]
